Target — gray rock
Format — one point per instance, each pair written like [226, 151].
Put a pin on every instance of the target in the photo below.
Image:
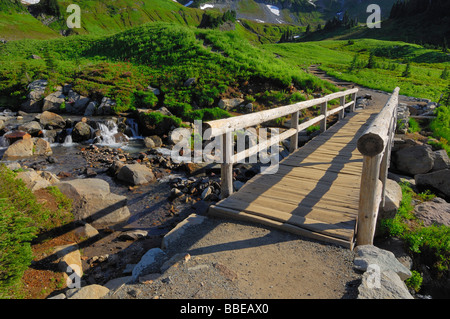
[414, 160]
[135, 174]
[33, 128]
[93, 201]
[53, 120]
[106, 106]
[27, 148]
[90, 109]
[178, 231]
[86, 231]
[53, 101]
[435, 211]
[76, 103]
[228, 104]
[153, 141]
[81, 132]
[389, 286]
[149, 263]
[90, 292]
[133, 234]
[441, 160]
[33, 180]
[189, 82]
[370, 255]
[35, 96]
[393, 197]
[438, 181]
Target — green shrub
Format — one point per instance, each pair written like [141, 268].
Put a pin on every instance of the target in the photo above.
[413, 125]
[145, 99]
[21, 219]
[16, 234]
[415, 281]
[156, 123]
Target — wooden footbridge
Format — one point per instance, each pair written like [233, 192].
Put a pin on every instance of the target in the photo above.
[331, 188]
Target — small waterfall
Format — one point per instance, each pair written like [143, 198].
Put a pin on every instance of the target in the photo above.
[107, 133]
[4, 143]
[68, 139]
[134, 128]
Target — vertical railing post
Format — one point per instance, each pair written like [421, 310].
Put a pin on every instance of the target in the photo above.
[323, 111]
[369, 199]
[294, 138]
[226, 172]
[353, 107]
[342, 103]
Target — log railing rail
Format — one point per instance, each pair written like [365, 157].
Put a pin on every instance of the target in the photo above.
[375, 146]
[225, 127]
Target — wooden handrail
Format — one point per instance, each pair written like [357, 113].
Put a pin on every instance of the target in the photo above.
[224, 128]
[220, 127]
[375, 146]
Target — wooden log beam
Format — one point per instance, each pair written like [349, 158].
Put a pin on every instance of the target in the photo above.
[374, 140]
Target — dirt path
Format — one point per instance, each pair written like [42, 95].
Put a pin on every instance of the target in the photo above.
[231, 259]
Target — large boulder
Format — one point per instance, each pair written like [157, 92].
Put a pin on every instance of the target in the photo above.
[438, 182]
[441, 160]
[53, 101]
[27, 148]
[52, 120]
[35, 96]
[33, 180]
[33, 128]
[81, 132]
[392, 199]
[76, 103]
[106, 106]
[371, 255]
[414, 160]
[135, 174]
[435, 211]
[94, 203]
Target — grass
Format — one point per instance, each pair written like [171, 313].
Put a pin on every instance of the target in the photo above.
[335, 57]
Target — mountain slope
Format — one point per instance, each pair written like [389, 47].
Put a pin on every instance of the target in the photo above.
[17, 23]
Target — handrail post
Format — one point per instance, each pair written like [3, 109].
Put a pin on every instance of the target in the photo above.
[226, 171]
[342, 103]
[323, 111]
[294, 138]
[369, 199]
[353, 107]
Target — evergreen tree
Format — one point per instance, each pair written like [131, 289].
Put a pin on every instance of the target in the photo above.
[445, 74]
[407, 72]
[371, 64]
